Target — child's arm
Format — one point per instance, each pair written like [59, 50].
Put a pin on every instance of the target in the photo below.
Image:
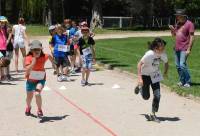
[139, 68]
[30, 67]
[166, 67]
[94, 54]
[52, 60]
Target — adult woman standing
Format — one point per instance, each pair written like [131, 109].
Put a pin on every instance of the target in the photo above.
[19, 32]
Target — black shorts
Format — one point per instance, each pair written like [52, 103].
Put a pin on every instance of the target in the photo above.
[62, 61]
[3, 52]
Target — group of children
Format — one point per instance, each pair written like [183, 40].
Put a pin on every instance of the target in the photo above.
[68, 43]
[72, 48]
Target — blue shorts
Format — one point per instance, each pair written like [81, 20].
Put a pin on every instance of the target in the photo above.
[31, 86]
[87, 61]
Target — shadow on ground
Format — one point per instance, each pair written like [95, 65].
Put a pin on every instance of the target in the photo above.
[162, 119]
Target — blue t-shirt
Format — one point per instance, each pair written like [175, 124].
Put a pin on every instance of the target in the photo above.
[72, 31]
[59, 43]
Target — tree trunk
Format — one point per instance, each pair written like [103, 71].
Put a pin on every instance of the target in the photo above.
[96, 21]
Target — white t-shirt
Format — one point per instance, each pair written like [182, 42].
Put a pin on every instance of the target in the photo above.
[151, 62]
[19, 33]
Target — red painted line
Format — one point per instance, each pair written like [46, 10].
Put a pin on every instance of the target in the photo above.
[98, 122]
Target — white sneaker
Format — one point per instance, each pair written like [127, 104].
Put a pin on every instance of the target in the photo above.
[64, 78]
[187, 85]
[59, 79]
[83, 82]
[180, 84]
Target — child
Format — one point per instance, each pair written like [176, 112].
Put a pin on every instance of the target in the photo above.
[61, 52]
[149, 73]
[36, 75]
[87, 51]
[9, 51]
[52, 32]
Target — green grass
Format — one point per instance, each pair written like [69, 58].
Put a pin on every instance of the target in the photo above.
[37, 30]
[125, 53]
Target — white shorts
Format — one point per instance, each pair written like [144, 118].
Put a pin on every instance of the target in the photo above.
[18, 45]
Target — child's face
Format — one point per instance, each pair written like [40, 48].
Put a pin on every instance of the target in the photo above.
[36, 52]
[160, 49]
[85, 33]
[2, 24]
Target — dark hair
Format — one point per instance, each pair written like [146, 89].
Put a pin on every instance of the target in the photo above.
[156, 43]
[21, 21]
[31, 54]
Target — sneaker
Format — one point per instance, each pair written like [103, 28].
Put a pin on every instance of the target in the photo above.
[137, 89]
[153, 117]
[28, 111]
[187, 85]
[9, 78]
[73, 72]
[83, 82]
[59, 79]
[180, 84]
[40, 113]
[64, 78]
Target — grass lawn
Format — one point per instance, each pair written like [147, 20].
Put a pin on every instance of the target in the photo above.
[125, 53]
[37, 30]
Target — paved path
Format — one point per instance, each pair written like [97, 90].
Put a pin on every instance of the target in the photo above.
[97, 110]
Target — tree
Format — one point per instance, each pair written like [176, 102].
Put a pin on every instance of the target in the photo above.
[96, 20]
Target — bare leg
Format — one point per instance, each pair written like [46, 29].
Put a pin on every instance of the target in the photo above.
[23, 51]
[29, 99]
[38, 96]
[87, 74]
[16, 59]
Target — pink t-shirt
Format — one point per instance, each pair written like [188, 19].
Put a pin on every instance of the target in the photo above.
[183, 36]
[2, 40]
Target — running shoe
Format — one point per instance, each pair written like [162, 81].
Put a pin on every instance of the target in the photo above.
[59, 79]
[137, 89]
[40, 113]
[28, 111]
[64, 78]
[83, 82]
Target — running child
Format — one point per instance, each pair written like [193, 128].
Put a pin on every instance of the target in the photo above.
[87, 51]
[52, 32]
[61, 52]
[36, 75]
[149, 73]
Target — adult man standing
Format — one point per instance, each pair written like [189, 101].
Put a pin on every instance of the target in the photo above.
[184, 33]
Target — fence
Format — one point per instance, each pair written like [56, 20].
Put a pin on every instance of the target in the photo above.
[151, 22]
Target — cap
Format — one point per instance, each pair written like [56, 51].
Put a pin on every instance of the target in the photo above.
[3, 19]
[35, 45]
[52, 27]
[180, 12]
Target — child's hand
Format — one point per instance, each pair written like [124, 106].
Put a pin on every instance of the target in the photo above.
[94, 61]
[33, 61]
[140, 82]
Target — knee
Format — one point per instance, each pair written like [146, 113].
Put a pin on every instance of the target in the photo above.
[37, 92]
[146, 97]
